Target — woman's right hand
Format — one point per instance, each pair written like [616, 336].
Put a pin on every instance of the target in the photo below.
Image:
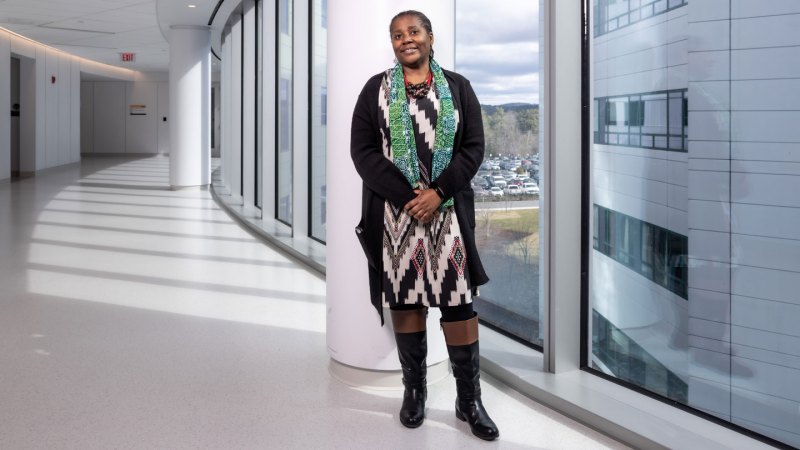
[424, 206]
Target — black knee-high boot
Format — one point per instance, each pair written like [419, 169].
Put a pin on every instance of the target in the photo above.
[462, 346]
[412, 349]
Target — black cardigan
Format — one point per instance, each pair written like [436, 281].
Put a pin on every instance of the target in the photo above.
[384, 181]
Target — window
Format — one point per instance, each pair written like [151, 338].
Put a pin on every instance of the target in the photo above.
[611, 15]
[506, 186]
[635, 113]
[656, 120]
[653, 252]
[323, 109]
[259, 176]
[693, 273]
[318, 119]
[285, 81]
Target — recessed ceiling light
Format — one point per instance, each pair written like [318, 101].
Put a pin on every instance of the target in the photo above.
[192, 6]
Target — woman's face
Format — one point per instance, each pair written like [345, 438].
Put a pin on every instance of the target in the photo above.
[411, 41]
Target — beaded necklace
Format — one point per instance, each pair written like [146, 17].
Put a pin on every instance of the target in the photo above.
[419, 90]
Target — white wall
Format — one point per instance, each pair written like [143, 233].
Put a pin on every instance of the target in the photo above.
[109, 117]
[87, 117]
[163, 113]
[113, 129]
[141, 131]
[50, 106]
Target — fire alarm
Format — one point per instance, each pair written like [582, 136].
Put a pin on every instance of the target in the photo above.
[52, 79]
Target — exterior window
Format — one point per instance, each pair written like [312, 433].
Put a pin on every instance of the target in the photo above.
[649, 120]
[636, 113]
[259, 159]
[318, 119]
[323, 110]
[651, 251]
[610, 15]
[284, 116]
[693, 271]
[506, 186]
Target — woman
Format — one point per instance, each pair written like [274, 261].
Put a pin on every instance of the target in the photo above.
[417, 141]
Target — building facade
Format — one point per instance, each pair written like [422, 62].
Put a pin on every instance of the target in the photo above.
[695, 258]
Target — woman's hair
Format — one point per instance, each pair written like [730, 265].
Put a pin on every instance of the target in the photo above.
[426, 23]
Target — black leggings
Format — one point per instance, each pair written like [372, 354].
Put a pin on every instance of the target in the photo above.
[449, 313]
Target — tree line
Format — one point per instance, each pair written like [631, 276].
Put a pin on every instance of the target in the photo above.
[511, 129]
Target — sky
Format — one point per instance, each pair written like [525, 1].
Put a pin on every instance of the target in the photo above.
[497, 49]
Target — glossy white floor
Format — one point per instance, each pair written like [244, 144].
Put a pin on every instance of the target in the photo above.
[132, 316]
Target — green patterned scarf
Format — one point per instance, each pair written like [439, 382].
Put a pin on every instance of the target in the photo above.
[404, 147]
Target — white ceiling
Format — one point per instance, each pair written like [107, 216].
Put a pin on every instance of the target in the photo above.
[102, 29]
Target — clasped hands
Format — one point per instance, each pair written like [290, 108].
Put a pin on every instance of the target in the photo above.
[424, 206]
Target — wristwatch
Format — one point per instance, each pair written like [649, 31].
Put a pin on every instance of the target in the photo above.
[437, 189]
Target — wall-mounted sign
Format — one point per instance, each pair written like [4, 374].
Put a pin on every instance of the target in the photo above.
[137, 110]
[128, 57]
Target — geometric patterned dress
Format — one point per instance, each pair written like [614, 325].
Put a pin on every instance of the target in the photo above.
[422, 263]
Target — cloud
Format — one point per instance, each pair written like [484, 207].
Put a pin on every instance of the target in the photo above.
[497, 49]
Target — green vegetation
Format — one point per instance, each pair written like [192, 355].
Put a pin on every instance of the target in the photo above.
[513, 233]
[511, 129]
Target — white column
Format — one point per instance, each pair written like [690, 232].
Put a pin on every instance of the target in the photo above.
[354, 332]
[189, 106]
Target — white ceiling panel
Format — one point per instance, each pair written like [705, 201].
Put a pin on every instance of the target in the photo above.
[28, 18]
[55, 9]
[125, 16]
[89, 24]
[143, 8]
[147, 36]
[51, 36]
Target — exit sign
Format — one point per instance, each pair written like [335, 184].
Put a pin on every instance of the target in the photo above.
[128, 57]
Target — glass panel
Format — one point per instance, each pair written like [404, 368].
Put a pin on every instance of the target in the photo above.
[285, 79]
[319, 118]
[608, 15]
[507, 217]
[675, 115]
[259, 159]
[693, 287]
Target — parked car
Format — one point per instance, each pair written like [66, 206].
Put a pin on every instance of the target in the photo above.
[495, 191]
[479, 181]
[498, 181]
[530, 188]
[513, 190]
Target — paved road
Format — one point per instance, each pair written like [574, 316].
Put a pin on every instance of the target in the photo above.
[508, 205]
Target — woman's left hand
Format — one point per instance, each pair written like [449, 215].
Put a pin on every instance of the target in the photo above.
[424, 205]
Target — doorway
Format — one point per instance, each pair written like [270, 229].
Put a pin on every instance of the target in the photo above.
[22, 156]
[15, 118]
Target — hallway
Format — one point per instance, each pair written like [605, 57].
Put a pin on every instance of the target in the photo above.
[133, 316]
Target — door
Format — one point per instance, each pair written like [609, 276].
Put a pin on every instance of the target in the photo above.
[15, 118]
